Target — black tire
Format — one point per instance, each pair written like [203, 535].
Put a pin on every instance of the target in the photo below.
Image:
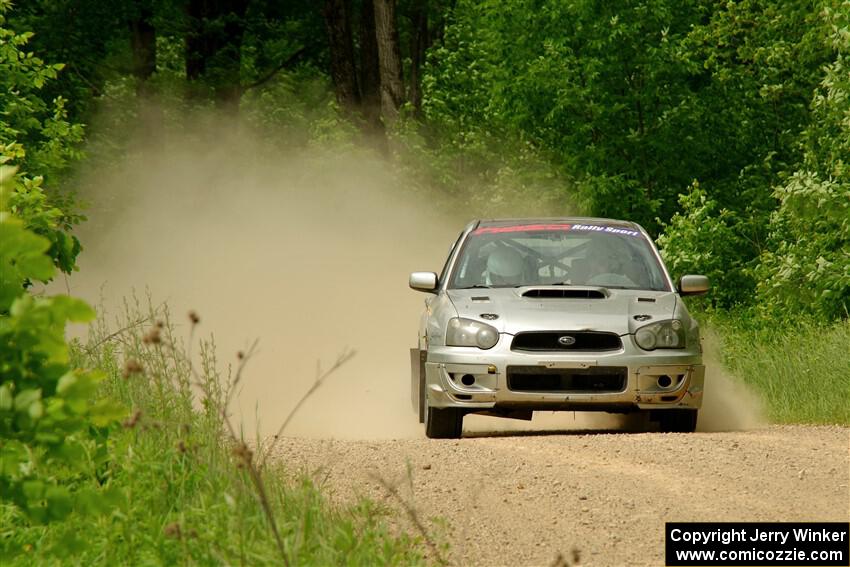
[446, 423]
[677, 420]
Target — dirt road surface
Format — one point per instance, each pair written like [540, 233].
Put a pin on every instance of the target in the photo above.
[522, 498]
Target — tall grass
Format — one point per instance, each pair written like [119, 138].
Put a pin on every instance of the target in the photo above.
[192, 491]
[802, 371]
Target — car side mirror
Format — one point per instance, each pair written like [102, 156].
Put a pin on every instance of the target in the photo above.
[693, 285]
[424, 281]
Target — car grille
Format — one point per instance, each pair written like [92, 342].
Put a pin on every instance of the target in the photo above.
[584, 341]
[540, 379]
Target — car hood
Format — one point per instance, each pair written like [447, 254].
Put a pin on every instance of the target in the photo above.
[612, 310]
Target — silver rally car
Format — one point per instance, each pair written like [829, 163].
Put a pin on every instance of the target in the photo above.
[555, 314]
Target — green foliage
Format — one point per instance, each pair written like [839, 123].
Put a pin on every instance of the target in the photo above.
[632, 100]
[53, 436]
[28, 201]
[77, 32]
[801, 370]
[296, 109]
[28, 120]
[706, 239]
[790, 241]
[38, 138]
[807, 269]
[462, 149]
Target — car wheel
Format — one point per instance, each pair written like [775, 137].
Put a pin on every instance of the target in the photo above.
[443, 423]
[678, 420]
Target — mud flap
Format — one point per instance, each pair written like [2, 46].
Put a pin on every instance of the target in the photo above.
[417, 382]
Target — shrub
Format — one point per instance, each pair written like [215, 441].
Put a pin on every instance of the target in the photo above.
[703, 239]
[38, 138]
[54, 437]
[809, 269]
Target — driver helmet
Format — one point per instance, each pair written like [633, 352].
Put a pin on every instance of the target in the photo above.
[602, 256]
[504, 267]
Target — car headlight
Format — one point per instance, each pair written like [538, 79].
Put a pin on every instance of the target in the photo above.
[466, 332]
[662, 334]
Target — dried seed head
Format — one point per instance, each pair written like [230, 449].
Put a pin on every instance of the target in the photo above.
[173, 530]
[243, 453]
[192, 533]
[152, 337]
[181, 446]
[193, 317]
[131, 421]
[132, 367]
[240, 355]
[160, 325]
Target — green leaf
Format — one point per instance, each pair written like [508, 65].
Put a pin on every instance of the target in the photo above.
[73, 452]
[59, 502]
[89, 502]
[36, 410]
[26, 398]
[115, 498]
[22, 257]
[106, 412]
[33, 490]
[13, 455]
[97, 503]
[6, 398]
[73, 309]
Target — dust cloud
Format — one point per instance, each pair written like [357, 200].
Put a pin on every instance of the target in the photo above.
[308, 252]
[728, 404]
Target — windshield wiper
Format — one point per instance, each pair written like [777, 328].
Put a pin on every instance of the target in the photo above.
[476, 286]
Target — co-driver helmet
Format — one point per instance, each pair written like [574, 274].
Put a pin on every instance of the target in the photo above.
[504, 267]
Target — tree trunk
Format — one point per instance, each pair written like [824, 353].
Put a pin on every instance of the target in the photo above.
[214, 47]
[228, 84]
[143, 41]
[143, 44]
[197, 49]
[419, 40]
[370, 74]
[389, 57]
[343, 72]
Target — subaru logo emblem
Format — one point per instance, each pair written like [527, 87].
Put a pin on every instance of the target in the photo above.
[567, 340]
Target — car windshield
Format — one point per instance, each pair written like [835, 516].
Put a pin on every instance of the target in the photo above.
[558, 254]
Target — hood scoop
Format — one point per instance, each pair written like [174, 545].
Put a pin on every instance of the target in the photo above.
[566, 293]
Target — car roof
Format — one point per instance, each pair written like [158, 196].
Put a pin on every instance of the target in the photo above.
[536, 220]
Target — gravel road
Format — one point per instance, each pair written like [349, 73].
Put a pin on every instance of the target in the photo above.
[524, 497]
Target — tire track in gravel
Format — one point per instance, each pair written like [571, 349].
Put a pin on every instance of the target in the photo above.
[522, 498]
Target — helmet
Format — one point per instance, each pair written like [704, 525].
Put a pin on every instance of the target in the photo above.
[602, 253]
[504, 266]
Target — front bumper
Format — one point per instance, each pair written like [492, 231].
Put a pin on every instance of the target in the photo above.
[477, 380]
